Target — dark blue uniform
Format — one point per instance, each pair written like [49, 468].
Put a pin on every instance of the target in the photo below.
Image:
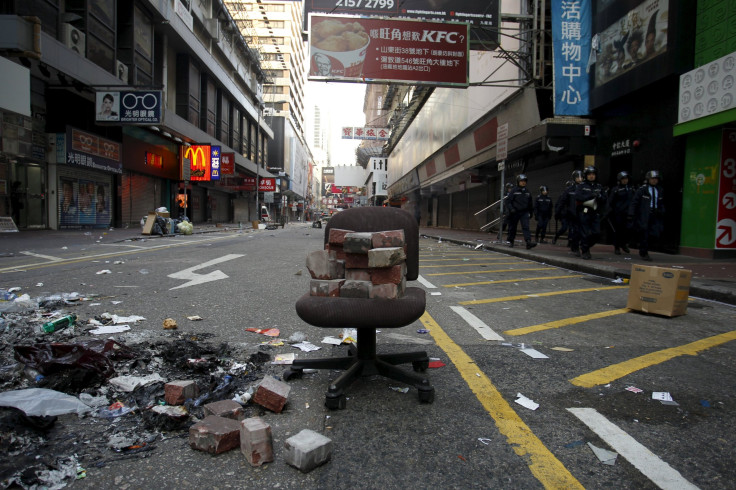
[520, 205]
[542, 213]
[619, 200]
[647, 213]
[590, 200]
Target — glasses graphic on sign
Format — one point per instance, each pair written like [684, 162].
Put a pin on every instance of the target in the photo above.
[133, 101]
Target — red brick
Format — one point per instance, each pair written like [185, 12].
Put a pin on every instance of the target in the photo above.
[337, 236]
[386, 257]
[272, 394]
[386, 291]
[339, 252]
[356, 261]
[229, 409]
[356, 289]
[215, 435]
[386, 275]
[358, 243]
[325, 288]
[256, 442]
[358, 274]
[392, 238]
[177, 392]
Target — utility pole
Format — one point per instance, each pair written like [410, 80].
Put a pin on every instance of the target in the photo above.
[259, 151]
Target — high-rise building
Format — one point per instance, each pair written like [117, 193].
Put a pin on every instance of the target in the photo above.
[274, 29]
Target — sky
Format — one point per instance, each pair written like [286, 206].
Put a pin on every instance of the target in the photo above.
[341, 105]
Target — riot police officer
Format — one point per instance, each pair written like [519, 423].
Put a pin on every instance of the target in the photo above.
[647, 212]
[542, 213]
[619, 200]
[520, 205]
[590, 201]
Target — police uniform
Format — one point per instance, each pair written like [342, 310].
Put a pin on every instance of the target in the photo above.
[589, 198]
[647, 213]
[520, 204]
[542, 213]
[619, 200]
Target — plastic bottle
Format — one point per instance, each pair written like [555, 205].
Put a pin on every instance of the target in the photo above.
[59, 323]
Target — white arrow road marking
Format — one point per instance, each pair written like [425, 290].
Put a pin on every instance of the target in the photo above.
[661, 474]
[47, 257]
[425, 283]
[484, 330]
[194, 278]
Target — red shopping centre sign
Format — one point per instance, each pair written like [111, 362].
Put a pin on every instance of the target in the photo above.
[726, 223]
[360, 49]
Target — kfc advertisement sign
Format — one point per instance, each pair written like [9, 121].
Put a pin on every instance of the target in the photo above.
[379, 50]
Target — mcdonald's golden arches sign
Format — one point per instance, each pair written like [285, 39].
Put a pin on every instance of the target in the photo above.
[199, 161]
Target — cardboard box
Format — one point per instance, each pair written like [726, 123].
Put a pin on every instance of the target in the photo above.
[659, 290]
[148, 226]
[163, 214]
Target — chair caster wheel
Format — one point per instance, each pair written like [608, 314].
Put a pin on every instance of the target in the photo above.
[426, 395]
[292, 374]
[335, 402]
[420, 366]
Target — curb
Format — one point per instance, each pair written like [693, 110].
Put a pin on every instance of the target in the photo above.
[698, 288]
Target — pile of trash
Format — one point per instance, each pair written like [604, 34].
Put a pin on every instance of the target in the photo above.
[57, 378]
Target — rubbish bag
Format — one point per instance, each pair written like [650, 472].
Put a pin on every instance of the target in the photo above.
[40, 402]
[93, 355]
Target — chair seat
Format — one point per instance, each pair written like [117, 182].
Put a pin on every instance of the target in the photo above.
[328, 312]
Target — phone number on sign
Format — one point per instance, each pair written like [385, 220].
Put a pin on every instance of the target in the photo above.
[366, 4]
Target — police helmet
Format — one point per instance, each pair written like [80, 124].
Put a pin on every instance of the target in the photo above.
[622, 175]
[543, 188]
[654, 174]
[521, 177]
[590, 169]
[577, 174]
[569, 183]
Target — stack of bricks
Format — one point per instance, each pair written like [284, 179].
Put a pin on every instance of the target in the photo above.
[359, 265]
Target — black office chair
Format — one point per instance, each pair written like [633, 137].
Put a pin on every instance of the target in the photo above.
[367, 315]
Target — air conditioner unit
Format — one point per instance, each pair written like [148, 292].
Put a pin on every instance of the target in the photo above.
[74, 39]
[122, 72]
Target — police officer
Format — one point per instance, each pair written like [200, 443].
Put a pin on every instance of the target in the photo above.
[590, 200]
[647, 212]
[542, 213]
[505, 217]
[520, 204]
[561, 211]
[619, 200]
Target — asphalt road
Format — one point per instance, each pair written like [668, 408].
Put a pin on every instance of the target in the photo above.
[474, 435]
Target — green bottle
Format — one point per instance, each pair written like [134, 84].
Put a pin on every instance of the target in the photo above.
[59, 323]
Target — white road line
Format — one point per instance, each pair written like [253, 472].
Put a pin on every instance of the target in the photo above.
[426, 283]
[484, 330]
[47, 257]
[661, 474]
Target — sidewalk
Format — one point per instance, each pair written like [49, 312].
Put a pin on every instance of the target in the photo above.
[712, 279]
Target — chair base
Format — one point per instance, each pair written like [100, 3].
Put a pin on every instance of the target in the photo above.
[363, 361]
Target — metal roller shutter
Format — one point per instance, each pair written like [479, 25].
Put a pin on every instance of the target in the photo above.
[198, 208]
[554, 178]
[220, 206]
[140, 195]
[443, 211]
[84, 198]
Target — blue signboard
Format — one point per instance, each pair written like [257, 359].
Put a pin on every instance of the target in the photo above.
[215, 163]
[571, 40]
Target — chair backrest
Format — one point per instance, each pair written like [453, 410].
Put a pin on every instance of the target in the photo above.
[375, 218]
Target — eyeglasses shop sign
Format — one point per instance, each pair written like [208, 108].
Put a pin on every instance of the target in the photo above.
[130, 106]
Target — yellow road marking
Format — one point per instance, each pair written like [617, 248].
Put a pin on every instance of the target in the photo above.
[482, 283]
[536, 295]
[616, 371]
[475, 265]
[565, 322]
[545, 467]
[465, 273]
[463, 259]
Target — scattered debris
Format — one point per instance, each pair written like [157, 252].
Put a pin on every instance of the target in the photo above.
[170, 324]
[634, 389]
[604, 456]
[526, 402]
[271, 332]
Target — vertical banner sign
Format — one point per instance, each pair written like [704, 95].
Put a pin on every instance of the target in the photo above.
[199, 156]
[227, 163]
[215, 163]
[571, 38]
[726, 224]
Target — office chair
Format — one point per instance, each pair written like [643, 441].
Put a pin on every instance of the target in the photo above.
[367, 315]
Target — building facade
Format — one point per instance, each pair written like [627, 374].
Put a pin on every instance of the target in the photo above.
[113, 109]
